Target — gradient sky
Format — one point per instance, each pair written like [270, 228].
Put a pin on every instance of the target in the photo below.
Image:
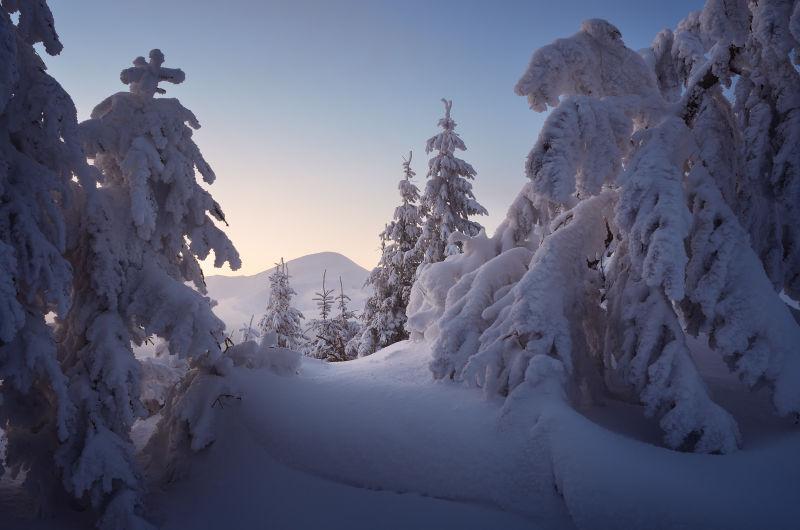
[308, 106]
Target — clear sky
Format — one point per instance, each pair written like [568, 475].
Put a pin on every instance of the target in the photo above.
[308, 106]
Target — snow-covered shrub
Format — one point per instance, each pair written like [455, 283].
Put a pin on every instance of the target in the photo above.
[188, 422]
[251, 354]
[644, 184]
[159, 375]
[434, 280]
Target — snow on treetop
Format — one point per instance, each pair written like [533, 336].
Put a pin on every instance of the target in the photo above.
[447, 123]
[593, 62]
[35, 24]
[144, 76]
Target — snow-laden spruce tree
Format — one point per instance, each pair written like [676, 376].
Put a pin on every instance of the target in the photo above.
[448, 200]
[384, 316]
[329, 334]
[143, 231]
[656, 208]
[280, 317]
[40, 152]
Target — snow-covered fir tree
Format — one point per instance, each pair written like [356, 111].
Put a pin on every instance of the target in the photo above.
[144, 230]
[330, 333]
[40, 152]
[659, 206]
[448, 201]
[384, 315]
[280, 317]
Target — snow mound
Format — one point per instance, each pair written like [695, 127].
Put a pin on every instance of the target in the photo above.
[281, 361]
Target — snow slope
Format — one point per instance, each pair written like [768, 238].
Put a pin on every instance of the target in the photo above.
[347, 444]
[239, 297]
[376, 443]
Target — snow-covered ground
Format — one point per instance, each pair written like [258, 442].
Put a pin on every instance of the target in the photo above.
[239, 297]
[376, 443]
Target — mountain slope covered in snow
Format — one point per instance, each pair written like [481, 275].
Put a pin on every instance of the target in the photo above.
[239, 297]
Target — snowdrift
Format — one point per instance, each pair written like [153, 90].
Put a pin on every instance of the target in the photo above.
[381, 433]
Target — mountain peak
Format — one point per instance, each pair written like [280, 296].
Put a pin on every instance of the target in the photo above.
[240, 296]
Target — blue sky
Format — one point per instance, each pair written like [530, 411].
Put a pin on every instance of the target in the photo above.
[308, 106]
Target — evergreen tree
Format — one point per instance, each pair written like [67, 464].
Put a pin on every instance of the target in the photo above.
[40, 152]
[144, 230]
[448, 201]
[281, 317]
[384, 315]
[331, 334]
[322, 331]
[602, 268]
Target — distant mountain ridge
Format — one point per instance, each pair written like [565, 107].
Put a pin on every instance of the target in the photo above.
[239, 297]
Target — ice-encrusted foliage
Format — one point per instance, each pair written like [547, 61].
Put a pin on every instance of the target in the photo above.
[759, 39]
[281, 317]
[39, 154]
[448, 200]
[143, 231]
[647, 356]
[544, 312]
[676, 214]
[593, 62]
[384, 315]
[652, 211]
[580, 148]
[466, 317]
[729, 298]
